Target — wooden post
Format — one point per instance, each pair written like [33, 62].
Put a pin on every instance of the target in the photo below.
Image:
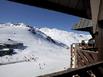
[97, 17]
[99, 40]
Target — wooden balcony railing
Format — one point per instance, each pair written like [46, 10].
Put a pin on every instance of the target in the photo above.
[82, 55]
[92, 70]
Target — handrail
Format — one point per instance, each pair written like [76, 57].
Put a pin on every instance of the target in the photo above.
[80, 71]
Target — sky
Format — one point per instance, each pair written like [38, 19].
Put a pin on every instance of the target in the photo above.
[39, 17]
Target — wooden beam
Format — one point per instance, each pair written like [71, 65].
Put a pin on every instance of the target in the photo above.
[57, 7]
[95, 5]
[71, 72]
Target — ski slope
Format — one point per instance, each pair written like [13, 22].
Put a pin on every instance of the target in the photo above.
[41, 56]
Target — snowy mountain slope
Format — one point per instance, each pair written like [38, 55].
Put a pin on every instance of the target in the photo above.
[65, 37]
[40, 55]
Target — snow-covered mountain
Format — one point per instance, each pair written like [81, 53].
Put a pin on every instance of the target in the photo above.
[37, 51]
[37, 54]
[65, 37]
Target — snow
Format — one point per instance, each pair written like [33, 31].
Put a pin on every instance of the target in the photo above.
[65, 37]
[39, 56]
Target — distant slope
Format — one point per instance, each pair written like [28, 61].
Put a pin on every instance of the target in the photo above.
[65, 37]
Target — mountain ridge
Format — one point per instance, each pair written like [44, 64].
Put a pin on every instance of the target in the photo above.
[65, 37]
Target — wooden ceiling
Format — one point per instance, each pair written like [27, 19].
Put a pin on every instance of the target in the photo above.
[79, 8]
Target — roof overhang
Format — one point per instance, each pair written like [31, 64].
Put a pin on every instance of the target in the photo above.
[79, 8]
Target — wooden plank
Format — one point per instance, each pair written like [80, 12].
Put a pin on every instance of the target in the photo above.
[71, 72]
[80, 8]
[99, 40]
